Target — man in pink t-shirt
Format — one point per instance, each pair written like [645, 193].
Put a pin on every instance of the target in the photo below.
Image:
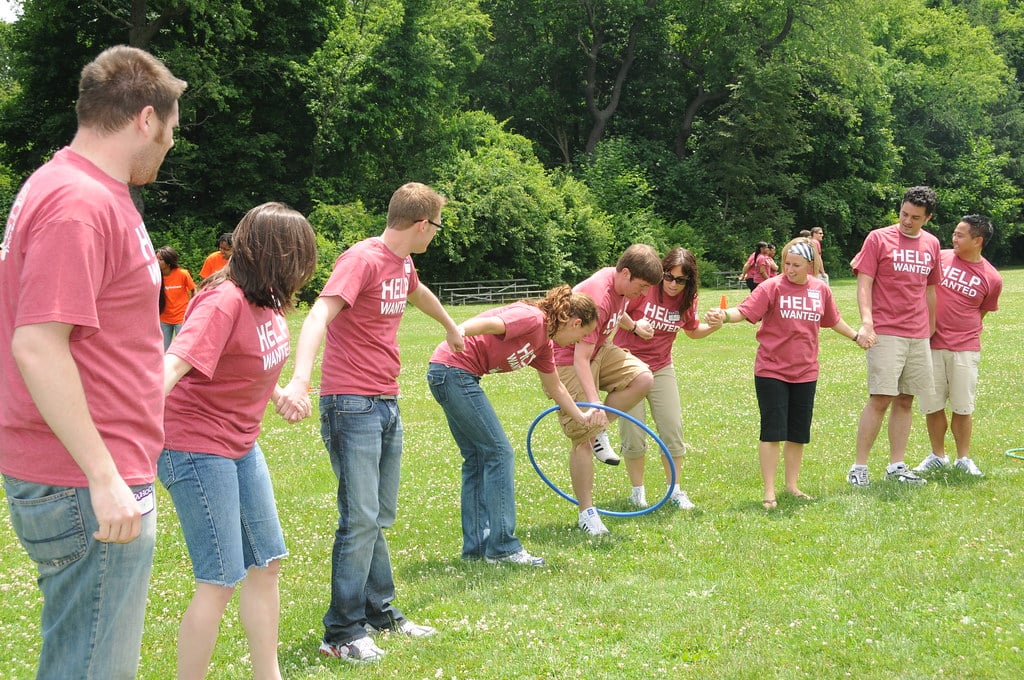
[359, 310]
[81, 368]
[969, 290]
[597, 364]
[897, 270]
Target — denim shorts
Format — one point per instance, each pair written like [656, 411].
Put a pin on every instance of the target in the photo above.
[227, 512]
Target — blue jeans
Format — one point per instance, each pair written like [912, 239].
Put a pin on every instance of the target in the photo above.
[488, 463]
[227, 512]
[364, 438]
[94, 594]
[169, 330]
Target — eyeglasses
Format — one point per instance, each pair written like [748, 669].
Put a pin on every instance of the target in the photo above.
[436, 224]
[681, 280]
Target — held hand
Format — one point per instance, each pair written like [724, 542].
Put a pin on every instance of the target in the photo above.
[714, 317]
[867, 333]
[293, 403]
[598, 418]
[865, 342]
[117, 512]
[644, 329]
[456, 339]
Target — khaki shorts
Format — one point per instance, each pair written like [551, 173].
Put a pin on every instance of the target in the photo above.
[900, 366]
[613, 369]
[956, 379]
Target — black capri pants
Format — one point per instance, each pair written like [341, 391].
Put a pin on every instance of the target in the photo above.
[786, 409]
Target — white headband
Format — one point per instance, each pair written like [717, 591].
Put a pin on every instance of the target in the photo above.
[804, 250]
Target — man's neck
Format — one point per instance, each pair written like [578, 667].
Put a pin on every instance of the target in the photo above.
[397, 242]
[102, 151]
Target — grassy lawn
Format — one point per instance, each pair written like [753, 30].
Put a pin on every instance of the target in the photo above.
[884, 582]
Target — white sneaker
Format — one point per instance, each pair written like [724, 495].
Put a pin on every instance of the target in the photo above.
[932, 462]
[638, 497]
[361, 650]
[968, 466]
[682, 501]
[603, 450]
[591, 522]
[899, 472]
[521, 557]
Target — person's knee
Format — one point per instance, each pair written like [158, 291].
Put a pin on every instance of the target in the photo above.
[642, 383]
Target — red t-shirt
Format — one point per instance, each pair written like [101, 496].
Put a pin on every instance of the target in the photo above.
[790, 317]
[177, 286]
[761, 262]
[525, 342]
[902, 269]
[361, 351]
[662, 311]
[76, 251]
[610, 308]
[236, 350]
[966, 290]
[213, 263]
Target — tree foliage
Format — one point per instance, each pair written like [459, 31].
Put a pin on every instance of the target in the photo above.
[560, 130]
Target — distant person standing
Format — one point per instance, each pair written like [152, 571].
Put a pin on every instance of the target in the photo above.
[817, 235]
[178, 289]
[81, 368]
[359, 310]
[969, 289]
[216, 260]
[897, 270]
[756, 269]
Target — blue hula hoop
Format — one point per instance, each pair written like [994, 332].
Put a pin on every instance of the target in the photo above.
[643, 426]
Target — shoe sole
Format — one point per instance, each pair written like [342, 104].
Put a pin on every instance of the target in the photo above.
[610, 461]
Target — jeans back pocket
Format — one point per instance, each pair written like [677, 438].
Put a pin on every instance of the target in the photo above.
[50, 527]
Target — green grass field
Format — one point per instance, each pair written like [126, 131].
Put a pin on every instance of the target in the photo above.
[886, 582]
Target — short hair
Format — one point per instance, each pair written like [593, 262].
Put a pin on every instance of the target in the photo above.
[274, 256]
[815, 230]
[119, 83]
[805, 233]
[980, 226]
[642, 261]
[562, 304]
[687, 261]
[169, 256]
[411, 203]
[923, 197]
[224, 238]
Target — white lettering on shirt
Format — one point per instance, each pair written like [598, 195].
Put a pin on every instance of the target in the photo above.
[661, 318]
[911, 261]
[800, 307]
[523, 356]
[146, 246]
[393, 293]
[273, 342]
[959, 281]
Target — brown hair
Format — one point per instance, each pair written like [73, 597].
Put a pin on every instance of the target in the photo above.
[274, 256]
[411, 203]
[122, 81]
[642, 261]
[681, 257]
[561, 305]
[169, 256]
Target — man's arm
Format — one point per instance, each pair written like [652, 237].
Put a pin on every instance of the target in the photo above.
[293, 400]
[931, 298]
[554, 388]
[428, 303]
[43, 356]
[865, 284]
[581, 363]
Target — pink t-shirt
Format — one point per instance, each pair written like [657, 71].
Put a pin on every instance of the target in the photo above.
[966, 290]
[525, 342]
[902, 268]
[237, 351]
[761, 262]
[662, 311]
[76, 252]
[790, 317]
[361, 352]
[610, 308]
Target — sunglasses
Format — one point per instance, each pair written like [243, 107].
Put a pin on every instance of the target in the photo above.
[681, 280]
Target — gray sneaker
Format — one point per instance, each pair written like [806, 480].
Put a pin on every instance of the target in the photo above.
[899, 472]
[932, 462]
[968, 466]
[360, 650]
[858, 476]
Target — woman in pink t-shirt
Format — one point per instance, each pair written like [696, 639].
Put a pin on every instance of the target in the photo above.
[498, 341]
[220, 372]
[754, 269]
[791, 308]
[668, 308]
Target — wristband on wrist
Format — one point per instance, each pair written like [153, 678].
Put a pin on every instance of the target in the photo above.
[856, 337]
